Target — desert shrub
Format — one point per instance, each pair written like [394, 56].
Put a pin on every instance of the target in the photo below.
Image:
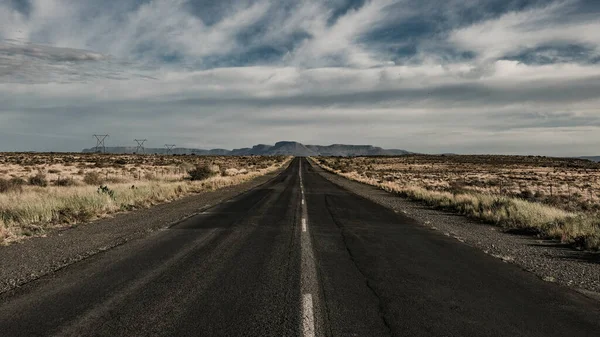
[201, 172]
[18, 181]
[65, 182]
[14, 184]
[233, 172]
[38, 180]
[527, 194]
[53, 171]
[92, 178]
[72, 215]
[458, 186]
[107, 191]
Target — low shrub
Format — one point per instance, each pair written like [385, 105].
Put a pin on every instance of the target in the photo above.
[65, 182]
[92, 178]
[107, 191]
[11, 185]
[38, 180]
[201, 172]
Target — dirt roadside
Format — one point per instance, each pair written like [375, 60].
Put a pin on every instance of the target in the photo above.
[550, 260]
[31, 259]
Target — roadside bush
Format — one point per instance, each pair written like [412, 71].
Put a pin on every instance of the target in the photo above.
[92, 178]
[18, 181]
[65, 182]
[38, 180]
[201, 172]
[107, 191]
[527, 194]
[14, 184]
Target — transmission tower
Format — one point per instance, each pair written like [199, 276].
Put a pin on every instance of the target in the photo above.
[100, 143]
[169, 148]
[140, 146]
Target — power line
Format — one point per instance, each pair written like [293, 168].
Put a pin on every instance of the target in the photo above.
[140, 146]
[100, 143]
[169, 148]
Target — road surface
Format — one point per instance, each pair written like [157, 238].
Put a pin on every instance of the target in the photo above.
[298, 256]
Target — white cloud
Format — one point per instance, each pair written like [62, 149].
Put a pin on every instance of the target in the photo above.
[339, 41]
[515, 32]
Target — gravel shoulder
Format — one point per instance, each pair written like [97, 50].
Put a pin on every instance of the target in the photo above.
[28, 260]
[548, 259]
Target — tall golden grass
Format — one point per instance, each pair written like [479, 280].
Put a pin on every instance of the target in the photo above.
[33, 210]
[510, 213]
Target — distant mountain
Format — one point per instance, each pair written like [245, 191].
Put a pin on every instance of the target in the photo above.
[353, 150]
[293, 148]
[592, 158]
[286, 148]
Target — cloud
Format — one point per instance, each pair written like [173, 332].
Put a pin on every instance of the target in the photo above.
[49, 53]
[515, 32]
[459, 76]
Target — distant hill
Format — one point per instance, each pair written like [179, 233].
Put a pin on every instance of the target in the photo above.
[592, 158]
[353, 150]
[287, 148]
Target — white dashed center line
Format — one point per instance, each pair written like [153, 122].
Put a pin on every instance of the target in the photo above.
[308, 317]
[308, 272]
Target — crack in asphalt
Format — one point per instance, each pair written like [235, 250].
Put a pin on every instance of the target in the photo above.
[381, 308]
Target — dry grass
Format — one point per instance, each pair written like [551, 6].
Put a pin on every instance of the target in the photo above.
[506, 191]
[131, 182]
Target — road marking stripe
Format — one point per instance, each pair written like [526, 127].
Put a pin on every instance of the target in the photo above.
[308, 283]
[308, 317]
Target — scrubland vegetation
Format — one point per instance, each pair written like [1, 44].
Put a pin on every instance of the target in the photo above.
[41, 191]
[550, 197]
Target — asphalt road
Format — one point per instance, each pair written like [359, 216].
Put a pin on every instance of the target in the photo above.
[298, 256]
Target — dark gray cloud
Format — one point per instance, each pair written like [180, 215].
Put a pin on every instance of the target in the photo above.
[49, 53]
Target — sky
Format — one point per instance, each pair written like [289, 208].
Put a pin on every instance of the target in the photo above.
[461, 76]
